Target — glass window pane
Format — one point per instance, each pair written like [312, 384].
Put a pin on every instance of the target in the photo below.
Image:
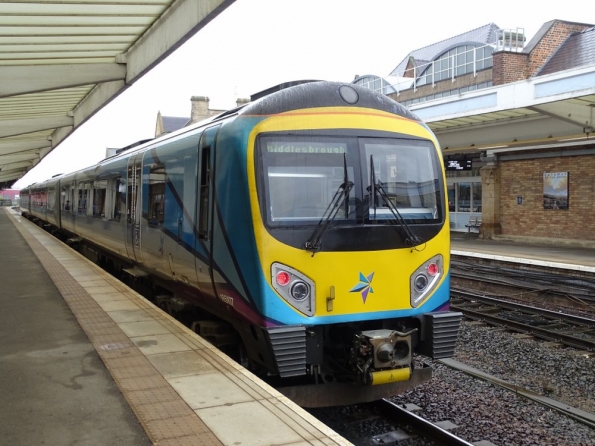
[476, 197]
[451, 197]
[464, 197]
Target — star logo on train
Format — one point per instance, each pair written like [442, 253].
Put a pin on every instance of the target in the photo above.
[364, 285]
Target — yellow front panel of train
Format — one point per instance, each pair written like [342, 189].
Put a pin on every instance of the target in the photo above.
[363, 281]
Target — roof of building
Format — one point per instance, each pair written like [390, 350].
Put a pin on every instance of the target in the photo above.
[576, 51]
[482, 35]
[173, 123]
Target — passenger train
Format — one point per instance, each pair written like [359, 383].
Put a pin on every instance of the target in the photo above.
[306, 233]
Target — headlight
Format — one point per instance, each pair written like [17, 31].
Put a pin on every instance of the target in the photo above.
[299, 290]
[296, 288]
[425, 278]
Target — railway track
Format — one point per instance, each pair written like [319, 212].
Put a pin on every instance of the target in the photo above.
[573, 331]
[574, 289]
[419, 425]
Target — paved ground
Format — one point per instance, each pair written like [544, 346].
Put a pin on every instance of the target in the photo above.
[50, 374]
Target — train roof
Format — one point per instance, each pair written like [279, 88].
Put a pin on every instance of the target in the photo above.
[325, 94]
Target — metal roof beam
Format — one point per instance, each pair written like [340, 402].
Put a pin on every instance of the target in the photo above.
[8, 159]
[8, 147]
[580, 115]
[34, 78]
[94, 101]
[518, 131]
[18, 165]
[12, 127]
[11, 174]
[180, 22]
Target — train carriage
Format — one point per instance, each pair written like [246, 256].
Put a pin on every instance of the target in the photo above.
[307, 228]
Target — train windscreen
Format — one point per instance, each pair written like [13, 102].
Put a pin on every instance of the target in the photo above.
[353, 181]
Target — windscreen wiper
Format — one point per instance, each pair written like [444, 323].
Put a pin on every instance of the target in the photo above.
[314, 244]
[410, 238]
[372, 190]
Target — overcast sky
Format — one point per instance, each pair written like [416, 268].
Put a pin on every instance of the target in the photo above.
[255, 44]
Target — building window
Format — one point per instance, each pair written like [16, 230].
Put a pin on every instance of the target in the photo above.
[459, 59]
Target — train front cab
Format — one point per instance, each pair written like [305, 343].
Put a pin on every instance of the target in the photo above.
[366, 273]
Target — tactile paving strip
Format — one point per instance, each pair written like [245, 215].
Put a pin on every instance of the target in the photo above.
[167, 419]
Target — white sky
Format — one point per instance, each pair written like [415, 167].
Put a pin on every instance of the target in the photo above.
[255, 44]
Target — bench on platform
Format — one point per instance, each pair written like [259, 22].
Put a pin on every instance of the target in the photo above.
[474, 222]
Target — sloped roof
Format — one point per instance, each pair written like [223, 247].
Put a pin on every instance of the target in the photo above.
[576, 51]
[482, 35]
[173, 123]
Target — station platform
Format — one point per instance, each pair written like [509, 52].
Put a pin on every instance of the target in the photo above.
[560, 257]
[86, 360]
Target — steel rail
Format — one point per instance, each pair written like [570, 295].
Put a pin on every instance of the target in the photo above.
[424, 427]
[541, 333]
[579, 415]
[468, 295]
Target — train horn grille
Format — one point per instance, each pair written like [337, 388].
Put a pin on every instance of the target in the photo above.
[289, 347]
[441, 334]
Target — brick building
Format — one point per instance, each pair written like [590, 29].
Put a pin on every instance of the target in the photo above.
[515, 121]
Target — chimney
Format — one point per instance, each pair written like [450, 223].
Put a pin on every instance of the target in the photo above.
[242, 101]
[200, 108]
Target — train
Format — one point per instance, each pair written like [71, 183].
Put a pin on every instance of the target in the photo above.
[304, 233]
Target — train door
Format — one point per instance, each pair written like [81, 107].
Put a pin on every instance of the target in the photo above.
[205, 207]
[133, 208]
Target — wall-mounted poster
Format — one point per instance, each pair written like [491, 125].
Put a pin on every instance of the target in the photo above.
[555, 190]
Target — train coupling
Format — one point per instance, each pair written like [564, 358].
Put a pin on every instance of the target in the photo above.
[382, 356]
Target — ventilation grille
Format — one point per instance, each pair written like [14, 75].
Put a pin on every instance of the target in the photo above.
[442, 329]
[289, 347]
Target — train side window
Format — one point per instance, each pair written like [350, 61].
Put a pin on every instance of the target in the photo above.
[72, 198]
[65, 198]
[115, 198]
[51, 204]
[82, 199]
[205, 181]
[156, 211]
[99, 193]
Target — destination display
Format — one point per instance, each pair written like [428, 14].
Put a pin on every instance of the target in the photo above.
[306, 147]
[458, 164]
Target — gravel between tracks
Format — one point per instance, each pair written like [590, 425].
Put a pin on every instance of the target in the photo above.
[486, 412]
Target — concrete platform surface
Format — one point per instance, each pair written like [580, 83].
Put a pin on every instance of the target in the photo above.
[564, 257]
[54, 388]
[181, 389]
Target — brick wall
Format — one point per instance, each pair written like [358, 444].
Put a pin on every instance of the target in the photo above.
[509, 67]
[512, 67]
[525, 178]
[552, 39]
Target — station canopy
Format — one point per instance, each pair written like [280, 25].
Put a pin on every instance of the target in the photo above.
[61, 62]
